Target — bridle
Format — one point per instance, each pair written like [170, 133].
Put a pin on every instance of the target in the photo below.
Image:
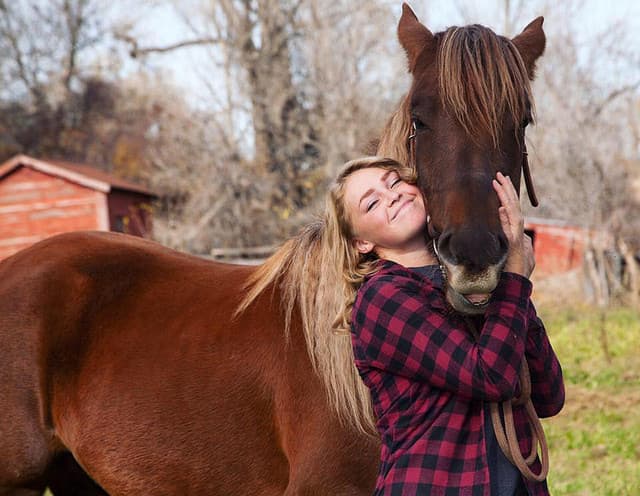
[526, 172]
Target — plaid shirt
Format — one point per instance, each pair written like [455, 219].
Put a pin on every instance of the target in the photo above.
[429, 379]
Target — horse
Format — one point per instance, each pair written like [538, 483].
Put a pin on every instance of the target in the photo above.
[130, 368]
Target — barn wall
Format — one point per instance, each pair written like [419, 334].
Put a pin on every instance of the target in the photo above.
[34, 205]
[557, 248]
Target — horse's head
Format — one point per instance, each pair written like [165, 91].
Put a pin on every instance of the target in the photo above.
[469, 104]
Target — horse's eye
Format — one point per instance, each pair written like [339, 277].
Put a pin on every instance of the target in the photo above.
[418, 124]
[526, 121]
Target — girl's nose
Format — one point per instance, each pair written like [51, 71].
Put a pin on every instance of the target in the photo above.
[392, 196]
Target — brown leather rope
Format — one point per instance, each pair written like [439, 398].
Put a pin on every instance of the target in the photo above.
[507, 437]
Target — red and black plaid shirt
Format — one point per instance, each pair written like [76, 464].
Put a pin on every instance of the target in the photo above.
[430, 379]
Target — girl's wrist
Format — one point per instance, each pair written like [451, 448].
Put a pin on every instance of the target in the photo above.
[516, 265]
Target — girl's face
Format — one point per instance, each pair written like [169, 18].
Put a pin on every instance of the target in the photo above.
[386, 213]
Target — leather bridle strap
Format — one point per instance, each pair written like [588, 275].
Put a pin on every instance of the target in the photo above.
[528, 180]
[507, 437]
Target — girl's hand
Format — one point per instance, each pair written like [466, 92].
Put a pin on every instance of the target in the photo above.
[520, 259]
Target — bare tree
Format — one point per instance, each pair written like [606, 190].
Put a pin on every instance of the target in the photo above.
[209, 195]
[356, 74]
[299, 94]
[44, 74]
[255, 39]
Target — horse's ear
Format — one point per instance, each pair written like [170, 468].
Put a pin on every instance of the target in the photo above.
[413, 35]
[530, 43]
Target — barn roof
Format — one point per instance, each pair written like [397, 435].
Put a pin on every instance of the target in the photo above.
[81, 174]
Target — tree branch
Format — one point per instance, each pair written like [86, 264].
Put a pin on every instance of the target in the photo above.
[136, 51]
[613, 95]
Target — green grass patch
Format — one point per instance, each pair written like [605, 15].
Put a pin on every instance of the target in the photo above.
[596, 349]
[594, 442]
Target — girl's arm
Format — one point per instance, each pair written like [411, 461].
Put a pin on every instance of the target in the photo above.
[547, 385]
[403, 328]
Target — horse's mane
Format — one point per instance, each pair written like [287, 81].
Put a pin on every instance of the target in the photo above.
[481, 78]
[307, 280]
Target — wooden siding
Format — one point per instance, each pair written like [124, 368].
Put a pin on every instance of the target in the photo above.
[34, 205]
[557, 248]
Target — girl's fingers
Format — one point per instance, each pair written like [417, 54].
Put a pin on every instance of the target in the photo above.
[504, 220]
[507, 193]
[510, 230]
[508, 186]
[510, 208]
[502, 194]
[502, 185]
[510, 214]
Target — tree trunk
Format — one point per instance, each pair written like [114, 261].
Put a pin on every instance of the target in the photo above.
[282, 130]
[633, 272]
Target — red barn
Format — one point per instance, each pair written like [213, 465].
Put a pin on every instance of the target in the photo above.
[558, 246]
[40, 198]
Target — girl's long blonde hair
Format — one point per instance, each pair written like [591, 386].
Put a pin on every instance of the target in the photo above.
[317, 275]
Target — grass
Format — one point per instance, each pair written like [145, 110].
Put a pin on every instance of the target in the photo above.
[594, 442]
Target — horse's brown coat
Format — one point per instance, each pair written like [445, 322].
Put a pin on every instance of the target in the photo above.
[142, 375]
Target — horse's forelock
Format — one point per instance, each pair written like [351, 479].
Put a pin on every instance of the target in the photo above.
[482, 78]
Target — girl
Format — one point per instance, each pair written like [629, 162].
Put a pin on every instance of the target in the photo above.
[432, 382]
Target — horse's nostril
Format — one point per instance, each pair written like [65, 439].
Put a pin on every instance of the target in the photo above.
[444, 248]
[475, 249]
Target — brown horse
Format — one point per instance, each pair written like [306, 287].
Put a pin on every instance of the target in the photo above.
[125, 360]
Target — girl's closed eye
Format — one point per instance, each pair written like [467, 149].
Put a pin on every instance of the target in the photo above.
[371, 204]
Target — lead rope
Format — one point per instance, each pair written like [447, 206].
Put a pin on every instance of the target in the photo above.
[506, 433]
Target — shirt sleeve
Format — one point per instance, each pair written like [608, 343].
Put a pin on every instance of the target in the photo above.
[400, 327]
[547, 384]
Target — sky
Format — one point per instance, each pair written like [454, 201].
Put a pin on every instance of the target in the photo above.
[162, 26]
